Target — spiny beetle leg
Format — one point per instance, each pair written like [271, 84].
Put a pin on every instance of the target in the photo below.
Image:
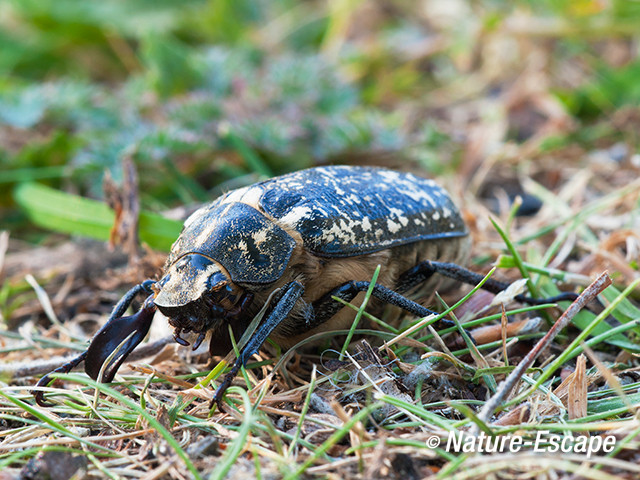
[394, 298]
[290, 295]
[326, 307]
[94, 352]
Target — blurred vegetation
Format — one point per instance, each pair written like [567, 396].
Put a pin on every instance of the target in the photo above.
[207, 95]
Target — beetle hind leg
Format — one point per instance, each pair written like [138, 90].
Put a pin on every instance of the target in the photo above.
[425, 269]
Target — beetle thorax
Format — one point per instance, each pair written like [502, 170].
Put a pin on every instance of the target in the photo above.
[196, 295]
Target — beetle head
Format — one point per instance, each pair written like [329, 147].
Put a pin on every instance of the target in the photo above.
[196, 294]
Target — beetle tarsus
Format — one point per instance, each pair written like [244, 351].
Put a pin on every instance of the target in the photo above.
[222, 388]
[45, 380]
[461, 274]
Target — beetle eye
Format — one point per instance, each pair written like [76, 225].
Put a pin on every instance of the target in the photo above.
[217, 281]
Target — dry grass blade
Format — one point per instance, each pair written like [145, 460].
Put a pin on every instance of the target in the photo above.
[577, 398]
[588, 295]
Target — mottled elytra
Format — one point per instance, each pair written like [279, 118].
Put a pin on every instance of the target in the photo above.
[308, 236]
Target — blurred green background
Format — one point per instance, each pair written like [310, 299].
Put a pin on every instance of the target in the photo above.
[209, 95]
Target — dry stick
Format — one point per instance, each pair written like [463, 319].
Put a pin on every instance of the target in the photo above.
[22, 369]
[590, 293]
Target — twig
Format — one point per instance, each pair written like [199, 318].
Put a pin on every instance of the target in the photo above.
[590, 293]
[20, 370]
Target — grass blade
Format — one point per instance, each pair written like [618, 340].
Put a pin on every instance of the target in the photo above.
[68, 213]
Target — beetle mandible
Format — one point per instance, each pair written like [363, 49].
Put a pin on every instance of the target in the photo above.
[311, 235]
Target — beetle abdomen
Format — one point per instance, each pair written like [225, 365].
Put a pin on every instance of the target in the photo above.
[395, 261]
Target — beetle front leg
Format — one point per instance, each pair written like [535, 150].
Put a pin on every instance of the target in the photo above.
[117, 328]
[290, 295]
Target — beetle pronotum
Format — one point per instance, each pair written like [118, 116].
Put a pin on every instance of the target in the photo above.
[312, 235]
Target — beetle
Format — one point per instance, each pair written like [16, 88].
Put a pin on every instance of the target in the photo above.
[291, 244]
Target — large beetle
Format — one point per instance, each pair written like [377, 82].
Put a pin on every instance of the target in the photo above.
[310, 235]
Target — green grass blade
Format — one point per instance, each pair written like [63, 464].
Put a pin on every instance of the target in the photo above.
[239, 443]
[153, 422]
[68, 213]
[356, 320]
[516, 257]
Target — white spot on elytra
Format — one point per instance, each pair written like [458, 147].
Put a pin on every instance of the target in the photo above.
[393, 226]
[404, 221]
[242, 245]
[342, 231]
[295, 215]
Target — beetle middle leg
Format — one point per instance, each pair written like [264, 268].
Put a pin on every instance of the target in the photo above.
[288, 298]
[326, 307]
